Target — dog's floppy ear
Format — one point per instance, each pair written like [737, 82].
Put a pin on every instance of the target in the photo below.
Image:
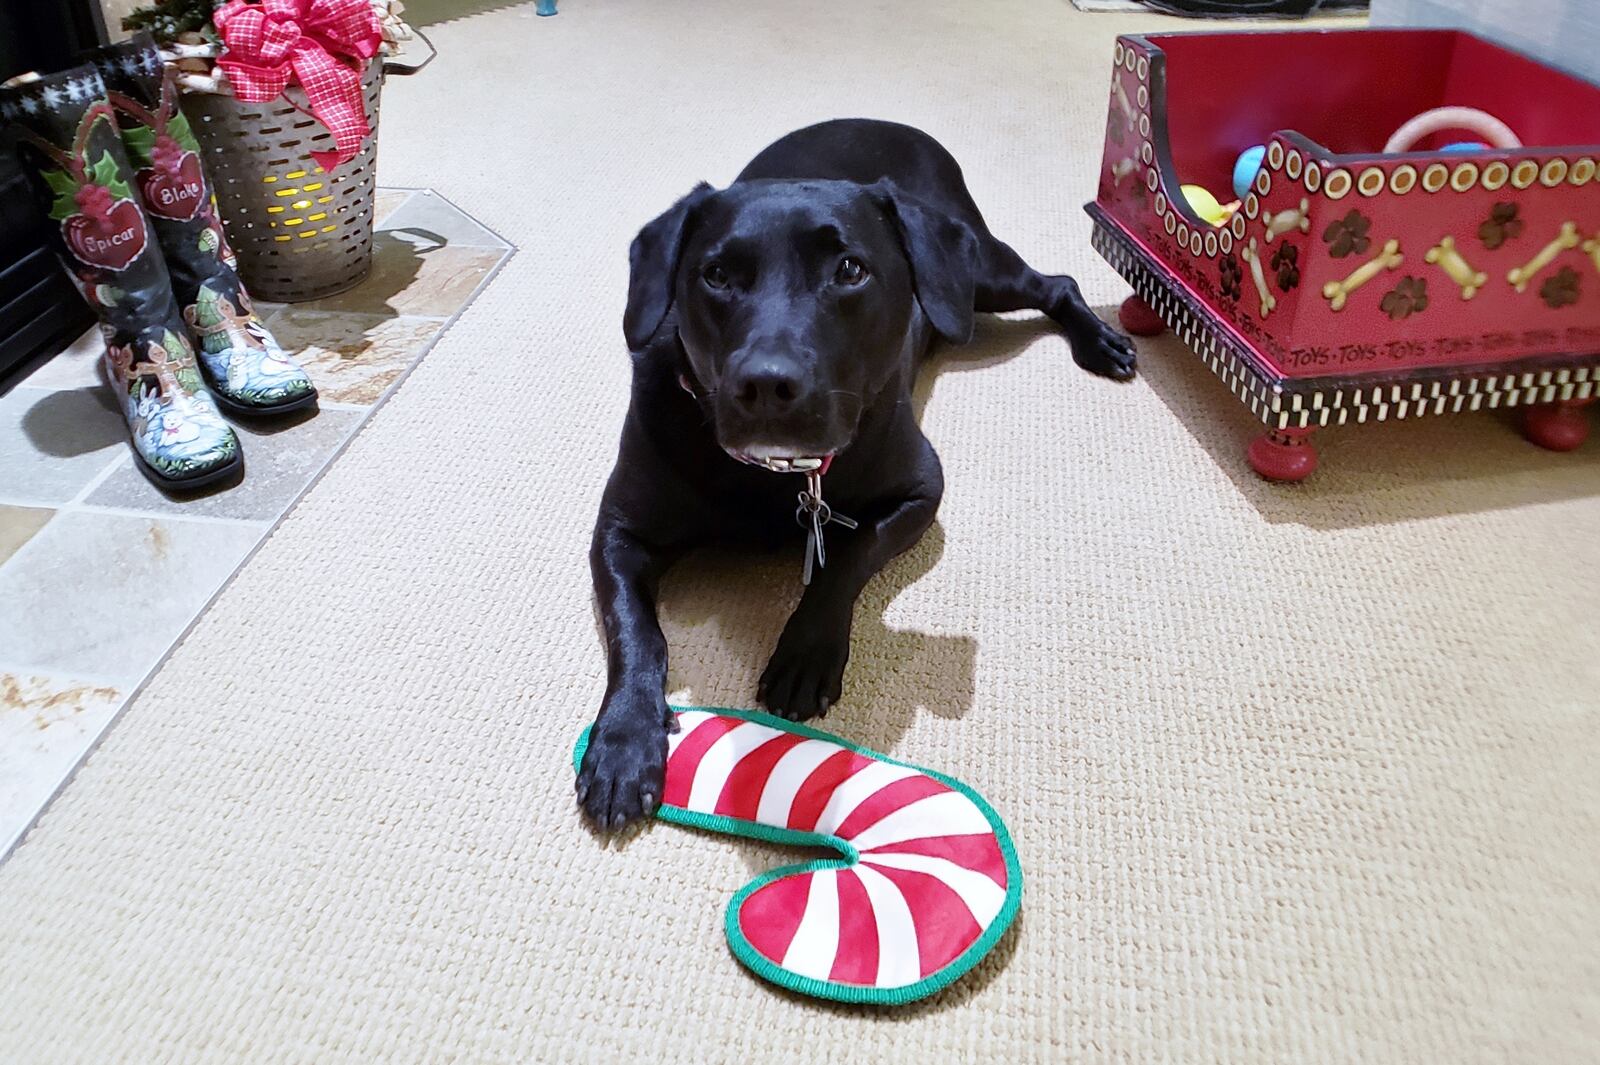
[653, 260]
[942, 252]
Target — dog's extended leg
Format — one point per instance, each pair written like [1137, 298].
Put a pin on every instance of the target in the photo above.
[806, 672]
[620, 779]
[1006, 283]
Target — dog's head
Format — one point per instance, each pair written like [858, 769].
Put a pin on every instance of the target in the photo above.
[794, 301]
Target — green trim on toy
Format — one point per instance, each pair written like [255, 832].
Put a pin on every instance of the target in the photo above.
[849, 857]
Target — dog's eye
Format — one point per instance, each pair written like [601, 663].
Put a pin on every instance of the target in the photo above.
[851, 271]
[715, 276]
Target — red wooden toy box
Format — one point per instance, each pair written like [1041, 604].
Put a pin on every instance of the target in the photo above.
[1352, 285]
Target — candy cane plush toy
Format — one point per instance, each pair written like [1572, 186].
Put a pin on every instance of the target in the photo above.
[925, 884]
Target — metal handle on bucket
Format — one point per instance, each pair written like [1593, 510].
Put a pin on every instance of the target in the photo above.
[406, 69]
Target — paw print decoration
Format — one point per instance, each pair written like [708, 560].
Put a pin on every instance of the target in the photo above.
[1348, 235]
[1502, 225]
[1409, 297]
[1230, 277]
[1560, 289]
[1286, 265]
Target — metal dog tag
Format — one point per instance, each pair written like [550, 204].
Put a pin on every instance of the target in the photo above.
[812, 515]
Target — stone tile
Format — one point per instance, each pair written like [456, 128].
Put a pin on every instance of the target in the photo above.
[46, 725]
[76, 367]
[279, 461]
[387, 202]
[105, 595]
[17, 526]
[428, 220]
[353, 358]
[106, 585]
[406, 279]
[54, 443]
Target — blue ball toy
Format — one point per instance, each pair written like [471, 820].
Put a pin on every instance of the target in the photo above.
[1465, 146]
[1244, 169]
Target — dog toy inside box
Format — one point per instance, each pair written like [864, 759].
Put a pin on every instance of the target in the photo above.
[1357, 225]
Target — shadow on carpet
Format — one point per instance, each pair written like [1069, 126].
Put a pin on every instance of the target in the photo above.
[1381, 473]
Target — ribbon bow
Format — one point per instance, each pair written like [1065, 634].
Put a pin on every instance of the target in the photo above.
[321, 44]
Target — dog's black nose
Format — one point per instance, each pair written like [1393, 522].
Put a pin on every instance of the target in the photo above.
[767, 386]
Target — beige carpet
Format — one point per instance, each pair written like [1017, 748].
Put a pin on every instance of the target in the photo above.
[1296, 775]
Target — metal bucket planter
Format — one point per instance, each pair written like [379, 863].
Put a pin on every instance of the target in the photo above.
[300, 232]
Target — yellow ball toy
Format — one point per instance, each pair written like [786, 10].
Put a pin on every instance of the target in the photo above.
[1206, 206]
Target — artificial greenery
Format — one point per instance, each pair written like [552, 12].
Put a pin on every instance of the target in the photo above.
[166, 19]
[66, 186]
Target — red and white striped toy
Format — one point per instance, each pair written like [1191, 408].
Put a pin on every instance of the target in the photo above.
[926, 883]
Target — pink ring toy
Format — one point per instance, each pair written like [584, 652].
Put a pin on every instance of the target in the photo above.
[1485, 125]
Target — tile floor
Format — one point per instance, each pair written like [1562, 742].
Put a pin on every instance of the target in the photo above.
[85, 539]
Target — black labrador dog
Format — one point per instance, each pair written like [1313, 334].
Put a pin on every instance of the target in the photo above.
[777, 325]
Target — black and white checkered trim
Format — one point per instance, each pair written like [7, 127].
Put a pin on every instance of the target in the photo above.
[1449, 393]
[1193, 326]
[1291, 403]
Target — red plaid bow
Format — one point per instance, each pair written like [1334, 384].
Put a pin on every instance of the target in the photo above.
[322, 44]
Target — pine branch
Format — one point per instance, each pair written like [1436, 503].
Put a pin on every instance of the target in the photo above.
[166, 19]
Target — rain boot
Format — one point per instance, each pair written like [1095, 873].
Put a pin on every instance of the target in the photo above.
[248, 372]
[66, 134]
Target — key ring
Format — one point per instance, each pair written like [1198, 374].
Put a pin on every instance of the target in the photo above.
[812, 515]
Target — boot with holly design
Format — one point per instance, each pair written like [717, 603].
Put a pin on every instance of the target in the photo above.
[66, 134]
[250, 375]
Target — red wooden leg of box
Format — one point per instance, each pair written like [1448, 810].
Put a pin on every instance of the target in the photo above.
[1139, 318]
[1283, 454]
[1557, 426]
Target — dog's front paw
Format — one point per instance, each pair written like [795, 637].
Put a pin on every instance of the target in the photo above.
[806, 672]
[623, 767]
[1104, 351]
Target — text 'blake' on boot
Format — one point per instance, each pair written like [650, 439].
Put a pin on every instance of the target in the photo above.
[65, 131]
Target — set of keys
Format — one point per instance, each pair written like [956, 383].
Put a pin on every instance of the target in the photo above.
[813, 514]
